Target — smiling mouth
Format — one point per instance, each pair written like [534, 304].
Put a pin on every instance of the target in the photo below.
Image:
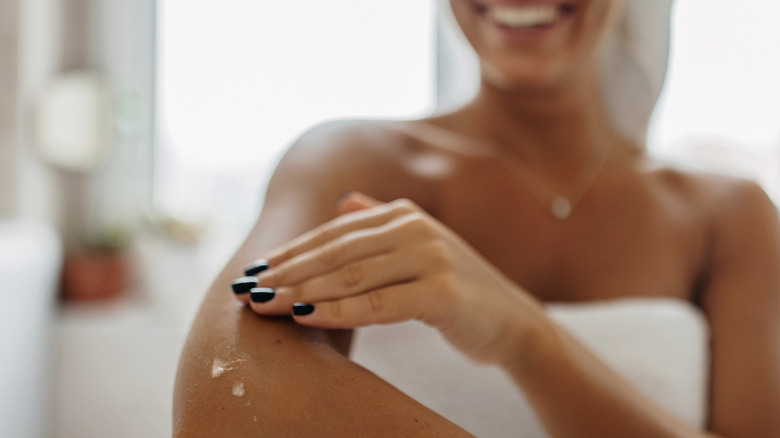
[525, 17]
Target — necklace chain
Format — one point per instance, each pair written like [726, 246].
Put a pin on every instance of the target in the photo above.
[560, 205]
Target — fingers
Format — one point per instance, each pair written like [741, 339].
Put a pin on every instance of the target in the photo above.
[332, 254]
[391, 304]
[355, 201]
[242, 287]
[350, 202]
[352, 279]
[355, 220]
[344, 249]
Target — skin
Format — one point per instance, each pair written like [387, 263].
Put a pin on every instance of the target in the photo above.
[440, 229]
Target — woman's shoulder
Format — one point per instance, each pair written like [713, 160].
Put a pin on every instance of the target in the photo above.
[380, 140]
[347, 147]
[721, 198]
[352, 140]
[372, 156]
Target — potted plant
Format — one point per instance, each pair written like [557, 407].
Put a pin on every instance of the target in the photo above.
[99, 268]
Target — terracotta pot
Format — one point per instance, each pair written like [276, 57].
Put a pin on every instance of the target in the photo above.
[94, 275]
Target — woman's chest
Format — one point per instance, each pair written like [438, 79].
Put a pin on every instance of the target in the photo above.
[620, 240]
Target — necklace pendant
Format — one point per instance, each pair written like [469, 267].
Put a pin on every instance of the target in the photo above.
[560, 208]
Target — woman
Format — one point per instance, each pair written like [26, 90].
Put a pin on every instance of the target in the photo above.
[509, 197]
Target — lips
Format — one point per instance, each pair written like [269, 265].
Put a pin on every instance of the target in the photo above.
[524, 16]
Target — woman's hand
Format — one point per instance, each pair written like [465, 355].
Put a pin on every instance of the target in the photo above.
[384, 263]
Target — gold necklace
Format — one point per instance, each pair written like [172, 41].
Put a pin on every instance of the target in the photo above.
[560, 205]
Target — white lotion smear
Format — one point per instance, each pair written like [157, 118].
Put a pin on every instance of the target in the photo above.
[219, 367]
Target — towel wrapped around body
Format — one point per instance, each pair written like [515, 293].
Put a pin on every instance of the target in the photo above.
[659, 345]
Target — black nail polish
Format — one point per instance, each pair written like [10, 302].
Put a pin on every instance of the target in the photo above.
[300, 309]
[261, 295]
[256, 267]
[243, 285]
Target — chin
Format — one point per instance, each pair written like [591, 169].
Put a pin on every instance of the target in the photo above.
[537, 75]
[533, 43]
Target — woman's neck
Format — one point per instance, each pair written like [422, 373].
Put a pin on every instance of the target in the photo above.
[550, 128]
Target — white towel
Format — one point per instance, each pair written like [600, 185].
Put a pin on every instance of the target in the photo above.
[634, 66]
[658, 345]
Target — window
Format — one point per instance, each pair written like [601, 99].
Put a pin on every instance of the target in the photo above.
[721, 104]
[239, 80]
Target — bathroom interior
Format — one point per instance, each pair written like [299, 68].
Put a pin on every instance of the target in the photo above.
[136, 138]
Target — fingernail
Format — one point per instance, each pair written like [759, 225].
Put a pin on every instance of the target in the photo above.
[344, 195]
[243, 285]
[256, 267]
[261, 294]
[300, 309]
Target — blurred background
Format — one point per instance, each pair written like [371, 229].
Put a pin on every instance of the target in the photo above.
[136, 138]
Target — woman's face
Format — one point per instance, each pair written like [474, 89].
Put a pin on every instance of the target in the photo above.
[535, 43]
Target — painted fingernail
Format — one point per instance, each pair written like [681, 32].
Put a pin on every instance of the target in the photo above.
[243, 285]
[261, 295]
[300, 309]
[256, 267]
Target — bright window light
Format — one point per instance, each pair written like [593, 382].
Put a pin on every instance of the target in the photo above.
[239, 80]
[721, 105]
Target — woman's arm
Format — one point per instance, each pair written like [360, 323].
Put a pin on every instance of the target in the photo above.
[576, 396]
[742, 303]
[241, 374]
[394, 262]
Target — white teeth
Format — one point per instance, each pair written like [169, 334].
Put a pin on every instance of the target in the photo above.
[522, 17]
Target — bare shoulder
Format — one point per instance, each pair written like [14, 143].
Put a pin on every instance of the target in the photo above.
[720, 199]
[740, 297]
[737, 220]
[348, 145]
[744, 220]
[370, 156]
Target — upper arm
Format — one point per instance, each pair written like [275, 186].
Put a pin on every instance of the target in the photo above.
[742, 303]
[318, 168]
[293, 382]
[304, 188]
